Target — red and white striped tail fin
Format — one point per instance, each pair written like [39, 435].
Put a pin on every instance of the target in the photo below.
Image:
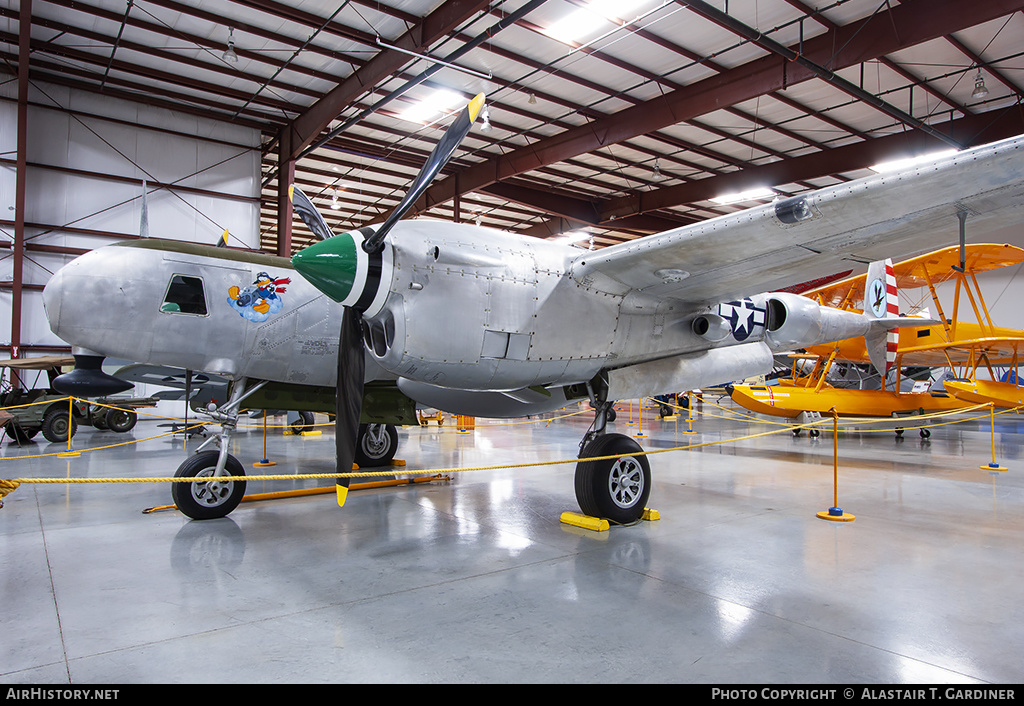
[882, 301]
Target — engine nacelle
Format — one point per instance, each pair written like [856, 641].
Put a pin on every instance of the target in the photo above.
[794, 321]
[689, 371]
[711, 327]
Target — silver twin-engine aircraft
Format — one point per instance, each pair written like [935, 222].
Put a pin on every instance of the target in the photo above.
[179, 309]
[487, 323]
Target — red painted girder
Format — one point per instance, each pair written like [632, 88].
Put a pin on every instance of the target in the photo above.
[908, 24]
[438, 24]
[970, 131]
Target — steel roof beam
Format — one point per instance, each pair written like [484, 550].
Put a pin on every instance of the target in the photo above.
[903, 26]
[438, 24]
[970, 131]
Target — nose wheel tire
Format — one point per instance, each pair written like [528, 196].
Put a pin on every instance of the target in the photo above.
[617, 488]
[209, 497]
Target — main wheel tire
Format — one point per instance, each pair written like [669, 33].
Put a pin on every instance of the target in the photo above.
[305, 422]
[615, 489]
[121, 420]
[210, 499]
[376, 445]
[56, 426]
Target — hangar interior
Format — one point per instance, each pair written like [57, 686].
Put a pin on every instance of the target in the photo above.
[605, 123]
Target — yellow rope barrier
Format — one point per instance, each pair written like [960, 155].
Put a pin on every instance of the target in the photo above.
[370, 474]
[8, 486]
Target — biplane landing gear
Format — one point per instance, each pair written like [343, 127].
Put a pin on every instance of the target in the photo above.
[615, 489]
[220, 493]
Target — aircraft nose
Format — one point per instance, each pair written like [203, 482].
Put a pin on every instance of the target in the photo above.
[52, 296]
[331, 266]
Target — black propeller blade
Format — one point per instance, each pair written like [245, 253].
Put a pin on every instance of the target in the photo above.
[351, 354]
[443, 151]
[308, 213]
[348, 400]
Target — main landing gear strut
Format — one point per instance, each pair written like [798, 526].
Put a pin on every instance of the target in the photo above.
[615, 488]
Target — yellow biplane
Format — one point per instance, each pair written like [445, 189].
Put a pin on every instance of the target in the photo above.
[947, 342]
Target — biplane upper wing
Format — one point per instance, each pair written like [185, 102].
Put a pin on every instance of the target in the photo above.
[818, 234]
[930, 268]
[995, 350]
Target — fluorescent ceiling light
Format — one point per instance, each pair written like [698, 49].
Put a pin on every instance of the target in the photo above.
[572, 237]
[898, 164]
[751, 195]
[431, 106]
[575, 235]
[589, 18]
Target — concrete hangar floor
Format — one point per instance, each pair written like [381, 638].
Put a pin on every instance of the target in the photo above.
[476, 579]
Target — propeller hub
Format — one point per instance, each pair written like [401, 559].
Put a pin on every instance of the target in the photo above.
[331, 266]
[340, 268]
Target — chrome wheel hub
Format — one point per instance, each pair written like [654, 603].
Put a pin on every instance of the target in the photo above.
[211, 493]
[626, 482]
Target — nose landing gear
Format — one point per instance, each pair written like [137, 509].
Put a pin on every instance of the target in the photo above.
[220, 493]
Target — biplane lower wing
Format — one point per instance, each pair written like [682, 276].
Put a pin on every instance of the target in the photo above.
[973, 391]
[790, 401]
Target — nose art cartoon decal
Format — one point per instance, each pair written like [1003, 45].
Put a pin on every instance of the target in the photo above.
[260, 299]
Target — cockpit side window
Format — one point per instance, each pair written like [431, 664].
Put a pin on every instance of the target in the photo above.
[185, 296]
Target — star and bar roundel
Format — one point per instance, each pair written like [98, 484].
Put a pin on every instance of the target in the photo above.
[744, 317]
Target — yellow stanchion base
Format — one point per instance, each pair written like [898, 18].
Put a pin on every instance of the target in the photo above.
[993, 467]
[69, 454]
[833, 516]
[264, 463]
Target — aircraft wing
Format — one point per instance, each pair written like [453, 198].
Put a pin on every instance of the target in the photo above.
[821, 233]
[931, 268]
[997, 350]
[931, 346]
